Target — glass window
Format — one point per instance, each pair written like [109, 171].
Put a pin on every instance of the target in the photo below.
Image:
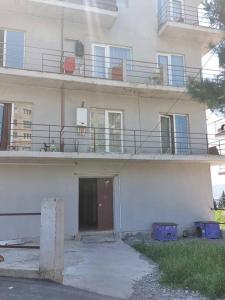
[177, 12]
[99, 62]
[173, 69]
[177, 67]
[114, 131]
[118, 55]
[166, 134]
[175, 134]
[14, 55]
[181, 134]
[107, 57]
[1, 120]
[122, 4]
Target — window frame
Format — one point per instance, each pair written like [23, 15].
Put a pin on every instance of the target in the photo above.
[170, 74]
[173, 143]
[6, 30]
[107, 129]
[107, 56]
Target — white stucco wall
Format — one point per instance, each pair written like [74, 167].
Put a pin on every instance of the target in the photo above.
[143, 193]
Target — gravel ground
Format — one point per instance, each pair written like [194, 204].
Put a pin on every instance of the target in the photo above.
[148, 288]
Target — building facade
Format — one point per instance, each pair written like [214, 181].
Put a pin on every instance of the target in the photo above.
[94, 110]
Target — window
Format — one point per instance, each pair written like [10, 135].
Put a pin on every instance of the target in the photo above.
[27, 111]
[108, 130]
[122, 4]
[107, 58]
[175, 134]
[12, 48]
[177, 10]
[27, 136]
[27, 124]
[173, 69]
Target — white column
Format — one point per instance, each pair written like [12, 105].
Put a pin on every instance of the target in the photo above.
[52, 240]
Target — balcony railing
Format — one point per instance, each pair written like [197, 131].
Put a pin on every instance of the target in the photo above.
[54, 138]
[99, 67]
[110, 5]
[182, 13]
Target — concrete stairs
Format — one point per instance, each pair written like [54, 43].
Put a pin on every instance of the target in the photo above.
[98, 237]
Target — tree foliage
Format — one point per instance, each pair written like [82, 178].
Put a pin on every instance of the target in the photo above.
[212, 91]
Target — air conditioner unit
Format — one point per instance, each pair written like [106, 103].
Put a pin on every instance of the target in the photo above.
[79, 48]
[81, 117]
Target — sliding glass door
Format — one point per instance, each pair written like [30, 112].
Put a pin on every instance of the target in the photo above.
[12, 49]
[114, 131]
[173, 69]
[166, 134]
[106, 58]
[181, 134]
[174, 134]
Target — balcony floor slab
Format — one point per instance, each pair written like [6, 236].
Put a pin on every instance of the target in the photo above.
[14, 157]
[52, 80]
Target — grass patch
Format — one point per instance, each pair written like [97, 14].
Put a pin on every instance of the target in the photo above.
[220, 217]
[197, 265]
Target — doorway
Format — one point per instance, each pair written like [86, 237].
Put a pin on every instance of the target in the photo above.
[95, 204]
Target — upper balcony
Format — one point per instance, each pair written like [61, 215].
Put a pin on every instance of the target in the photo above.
[87, 71]
[178, 20]
[92, 12]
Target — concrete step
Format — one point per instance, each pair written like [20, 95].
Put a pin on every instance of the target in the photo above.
[98, 237]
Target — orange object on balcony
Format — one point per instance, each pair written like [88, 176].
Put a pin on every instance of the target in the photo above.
[69, 65]
[117, 73]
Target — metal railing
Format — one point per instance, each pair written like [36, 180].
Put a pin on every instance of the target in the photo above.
[54, 138]
[100, 67]
[110, 5]
[182, 13]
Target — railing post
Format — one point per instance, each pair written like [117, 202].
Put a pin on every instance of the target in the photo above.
[135, 143]
[94, 140]
[220, 148]
[42, 62]
[207, 143]
[49, 135]
[124, 70]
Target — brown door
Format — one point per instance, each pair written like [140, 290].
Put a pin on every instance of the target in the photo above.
[5, 125]
[105, 203]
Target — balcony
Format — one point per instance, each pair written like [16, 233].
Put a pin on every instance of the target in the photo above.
[187, 23]
[86, 71]
[92, 12]
[71, 142]
[222, 170]
[219, 126]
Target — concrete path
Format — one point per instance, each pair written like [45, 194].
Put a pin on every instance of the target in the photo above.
[108, 269]
[25, 289]
[105, 268]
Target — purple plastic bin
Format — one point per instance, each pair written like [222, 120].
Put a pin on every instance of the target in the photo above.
[164, 231]
[208, 229]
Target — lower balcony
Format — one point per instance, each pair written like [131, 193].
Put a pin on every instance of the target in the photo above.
[71, 142]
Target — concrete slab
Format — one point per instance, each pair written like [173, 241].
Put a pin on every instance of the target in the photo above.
[104, 268]
[108, 269]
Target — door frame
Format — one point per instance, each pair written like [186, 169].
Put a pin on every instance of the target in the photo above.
[170, 132]
[107, 142]
[114, 192]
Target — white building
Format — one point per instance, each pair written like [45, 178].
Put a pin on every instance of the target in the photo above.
[108, 125]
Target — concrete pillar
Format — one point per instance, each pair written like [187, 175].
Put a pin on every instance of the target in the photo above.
[52, 240]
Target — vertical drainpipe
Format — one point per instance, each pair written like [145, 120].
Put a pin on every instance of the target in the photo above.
[62, 86]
